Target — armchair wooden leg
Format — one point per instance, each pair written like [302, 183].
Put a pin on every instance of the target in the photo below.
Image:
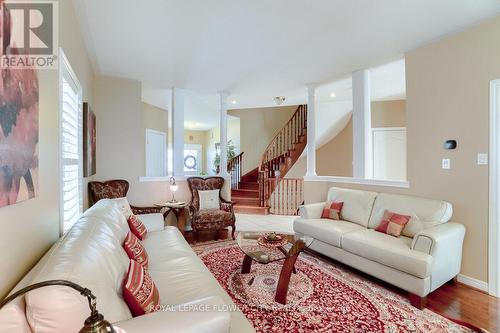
[418, 301]
[233, 227]
[195, 236]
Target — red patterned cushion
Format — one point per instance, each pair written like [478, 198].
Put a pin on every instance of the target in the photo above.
[333, 211]
[139, 290]
[137, 227]
[135, 250]
[393, 224]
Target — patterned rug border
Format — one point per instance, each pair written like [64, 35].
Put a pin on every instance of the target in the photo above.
[326, 266]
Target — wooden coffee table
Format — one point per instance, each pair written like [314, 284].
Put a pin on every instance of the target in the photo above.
[257, 247]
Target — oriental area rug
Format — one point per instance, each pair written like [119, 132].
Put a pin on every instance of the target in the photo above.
[322, 297]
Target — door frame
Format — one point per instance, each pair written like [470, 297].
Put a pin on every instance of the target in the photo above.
[494, 192]
[165, 158]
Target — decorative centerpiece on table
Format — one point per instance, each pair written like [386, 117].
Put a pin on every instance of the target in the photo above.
[272, 239]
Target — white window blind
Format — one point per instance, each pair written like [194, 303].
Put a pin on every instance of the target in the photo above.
[71, 147]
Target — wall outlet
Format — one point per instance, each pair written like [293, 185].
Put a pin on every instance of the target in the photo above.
[482, 159]
[446, 163]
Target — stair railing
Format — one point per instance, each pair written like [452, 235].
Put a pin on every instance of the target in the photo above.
[234, 168]
[287, 196]
[277, 153]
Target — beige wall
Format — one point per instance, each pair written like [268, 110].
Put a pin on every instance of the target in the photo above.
[258, 128]
[448, 98]
[154, 118]
[389, 113]
[334, 158]
[121, 145]
[29, 228]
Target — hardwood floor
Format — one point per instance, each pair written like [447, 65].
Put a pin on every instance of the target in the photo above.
[467, 304]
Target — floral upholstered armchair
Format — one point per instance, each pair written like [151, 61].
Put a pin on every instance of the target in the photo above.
[209, 219]
[113, 189]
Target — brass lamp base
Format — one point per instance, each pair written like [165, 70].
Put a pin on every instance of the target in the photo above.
[97, 324]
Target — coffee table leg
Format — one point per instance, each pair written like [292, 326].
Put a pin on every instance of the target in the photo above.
[247, 264]
[284, 281]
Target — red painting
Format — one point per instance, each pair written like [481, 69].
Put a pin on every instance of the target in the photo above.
[89, 141]
[18, 130]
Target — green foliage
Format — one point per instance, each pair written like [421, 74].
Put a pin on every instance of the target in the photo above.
[231, 153]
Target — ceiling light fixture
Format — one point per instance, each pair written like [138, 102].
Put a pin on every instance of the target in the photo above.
[332, 95]
[234, 101]
[279, 100]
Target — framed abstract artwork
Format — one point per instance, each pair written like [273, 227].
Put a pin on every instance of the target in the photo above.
[18, 135]
[89, 141]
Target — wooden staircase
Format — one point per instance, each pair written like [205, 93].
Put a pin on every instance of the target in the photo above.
[264, 190]
[246, 196]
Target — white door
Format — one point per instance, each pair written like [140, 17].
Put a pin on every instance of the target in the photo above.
[389, 153]
[156, 153]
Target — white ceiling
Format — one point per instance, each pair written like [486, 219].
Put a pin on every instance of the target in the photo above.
[260, 49]
[202, 109]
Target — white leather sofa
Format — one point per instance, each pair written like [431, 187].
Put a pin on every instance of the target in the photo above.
[91, 255]
[426, 255]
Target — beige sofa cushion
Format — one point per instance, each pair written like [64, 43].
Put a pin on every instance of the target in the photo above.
[325, 230]
[425, 213]
[357, 204]
[387, 250]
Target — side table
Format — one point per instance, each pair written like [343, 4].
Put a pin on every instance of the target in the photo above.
[178, 208]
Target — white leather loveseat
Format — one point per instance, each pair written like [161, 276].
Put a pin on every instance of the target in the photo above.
[91, 255]
[426, 255]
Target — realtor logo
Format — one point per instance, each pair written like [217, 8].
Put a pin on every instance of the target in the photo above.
[28, 34]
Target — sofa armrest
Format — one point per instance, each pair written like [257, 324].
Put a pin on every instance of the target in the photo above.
[311, 211]
[206, 315]
[153, 222]
[444, 243]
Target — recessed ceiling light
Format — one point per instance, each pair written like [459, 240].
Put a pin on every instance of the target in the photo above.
[332, 95]
[234, 101]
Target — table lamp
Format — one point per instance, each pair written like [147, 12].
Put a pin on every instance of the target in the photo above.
[173, 189]
[95, 323]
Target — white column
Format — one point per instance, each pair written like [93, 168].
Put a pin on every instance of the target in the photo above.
[311, 131]
[223, 134]
[361, 122]
[178, 131]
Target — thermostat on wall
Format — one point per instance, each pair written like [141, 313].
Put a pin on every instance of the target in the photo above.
[450, 144]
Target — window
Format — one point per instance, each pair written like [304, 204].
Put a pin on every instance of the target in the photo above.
[192, 159]
[70, 119]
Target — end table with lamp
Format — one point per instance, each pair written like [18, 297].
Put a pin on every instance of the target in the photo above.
[178, 208]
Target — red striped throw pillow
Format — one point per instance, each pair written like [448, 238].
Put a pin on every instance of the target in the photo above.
[139, 290]
[393, 224]
[333, 210]
[137, 227]
[135, 250]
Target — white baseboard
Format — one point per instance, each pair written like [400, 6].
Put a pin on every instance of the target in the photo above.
[474, 283]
